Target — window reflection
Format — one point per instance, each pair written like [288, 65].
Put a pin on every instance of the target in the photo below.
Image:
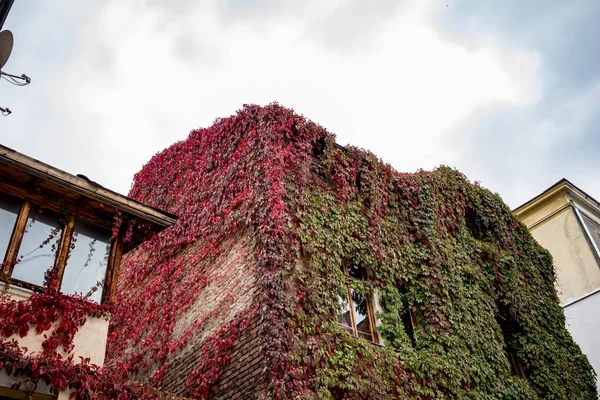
[38, 247]
[9, 211]
[86, 266]
[363, 325]
[356, 316]
[345, 316]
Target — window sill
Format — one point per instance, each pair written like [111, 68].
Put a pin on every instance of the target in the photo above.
[17, 288]
[13, 289]
[359, 337]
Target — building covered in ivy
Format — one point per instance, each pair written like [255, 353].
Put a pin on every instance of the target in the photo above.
[302, 269]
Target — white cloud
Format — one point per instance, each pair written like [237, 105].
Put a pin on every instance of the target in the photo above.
[143, 76]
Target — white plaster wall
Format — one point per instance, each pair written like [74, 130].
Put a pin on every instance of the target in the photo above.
[584, 326]
[89, 341]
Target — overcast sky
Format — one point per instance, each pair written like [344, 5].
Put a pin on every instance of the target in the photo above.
[507, 91]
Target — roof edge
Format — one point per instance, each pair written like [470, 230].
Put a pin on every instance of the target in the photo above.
[562, 184]
[85, 187]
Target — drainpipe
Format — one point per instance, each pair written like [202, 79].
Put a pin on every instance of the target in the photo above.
[588, 235]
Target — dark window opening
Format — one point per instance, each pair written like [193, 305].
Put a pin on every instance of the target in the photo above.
[407, 317]
[354, 271]
[319, 147]
[508, 327]
[474, 224]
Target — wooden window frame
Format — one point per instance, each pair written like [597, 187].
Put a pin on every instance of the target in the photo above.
[516, 365]
[407, 316]
[114, 259]
[370, 309]
[16, 394]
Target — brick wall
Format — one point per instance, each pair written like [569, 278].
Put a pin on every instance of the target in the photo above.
[229, 295]
[240, 379]
[230, 290]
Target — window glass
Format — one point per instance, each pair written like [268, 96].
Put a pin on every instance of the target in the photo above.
[9, 211]
[344, 317]
[354, 308]
[38, 247]
[87, 262]
[363, 325]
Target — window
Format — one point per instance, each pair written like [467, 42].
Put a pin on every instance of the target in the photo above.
[357, 316]
[9, 211]
[407, 316]
[510, 327]
[516, 365]
[39, 246]
[87, 262]
[36, 240]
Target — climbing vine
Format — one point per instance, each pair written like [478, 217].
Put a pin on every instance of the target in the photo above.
[58, 318]
[479, 287]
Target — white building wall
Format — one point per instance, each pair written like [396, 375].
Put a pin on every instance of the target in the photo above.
[584, 325]
[89, 341]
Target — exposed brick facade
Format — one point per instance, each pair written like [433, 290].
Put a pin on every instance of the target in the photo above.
[240, 379]
[229, 295]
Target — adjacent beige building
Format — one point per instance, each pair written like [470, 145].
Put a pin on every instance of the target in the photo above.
[566, 221]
